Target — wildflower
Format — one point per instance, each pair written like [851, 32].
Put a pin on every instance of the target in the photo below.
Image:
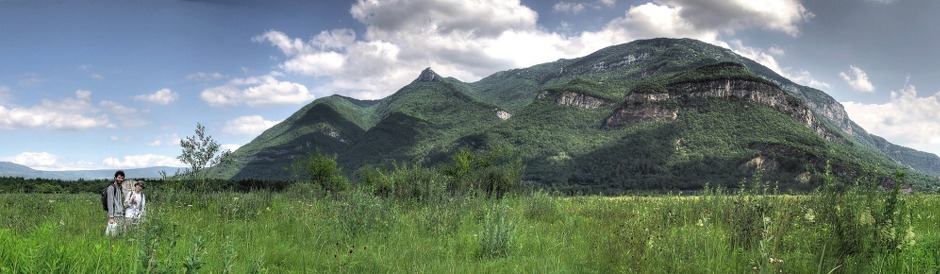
[700, 223]
[776, 261]
[865, 218]
[810, 216]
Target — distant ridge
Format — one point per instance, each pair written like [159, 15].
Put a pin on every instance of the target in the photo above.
[8, 169]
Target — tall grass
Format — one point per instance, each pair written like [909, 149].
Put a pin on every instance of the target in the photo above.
[417, 219]
[717, 232]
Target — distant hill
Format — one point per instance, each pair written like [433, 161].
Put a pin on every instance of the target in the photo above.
[8, 169]
[650, 114]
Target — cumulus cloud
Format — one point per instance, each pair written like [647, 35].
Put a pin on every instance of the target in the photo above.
[165, 140]
[767, 59]
[141, 161]
[729, 16]
[472, 39]
[907, 119]
[67, 114]
[252, 125]
[163, 96]
[230, 147]
[568, 7]
[37, 160]
[129, 117]
[256, 92]
[857, 79]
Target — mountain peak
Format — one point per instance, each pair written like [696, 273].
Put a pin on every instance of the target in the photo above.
[428, 75]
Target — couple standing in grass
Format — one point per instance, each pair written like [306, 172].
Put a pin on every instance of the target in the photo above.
[123, 209]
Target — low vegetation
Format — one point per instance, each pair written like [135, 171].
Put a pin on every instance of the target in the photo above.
[408, 218]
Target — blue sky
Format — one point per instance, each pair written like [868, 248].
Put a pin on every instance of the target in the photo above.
[116, 84]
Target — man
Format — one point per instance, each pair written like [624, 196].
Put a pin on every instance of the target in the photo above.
[115, 205]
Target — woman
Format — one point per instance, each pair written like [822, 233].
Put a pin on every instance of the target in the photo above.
[135, 202]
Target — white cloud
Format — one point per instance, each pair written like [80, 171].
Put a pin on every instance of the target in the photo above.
[141, 161]
[205, 76]
[97, 76]
[767, 59]
[907, 119]
[163, 96]
[68, 114]
[46, 161]
[608, 3]
[257, 91]
[37, 160]
[165, 140]
[730, 16]
[858, 79]
[128, 116]
[568, 7]
[230, 147]
[472, 39]
[252, 125]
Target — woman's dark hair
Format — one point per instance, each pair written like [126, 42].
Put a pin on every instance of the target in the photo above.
[119, 172]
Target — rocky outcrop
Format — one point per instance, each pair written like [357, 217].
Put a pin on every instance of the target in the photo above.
[581, 100]
[428, 75]
[642, 108]
[652, 107]
[502, 114]
[334, 134]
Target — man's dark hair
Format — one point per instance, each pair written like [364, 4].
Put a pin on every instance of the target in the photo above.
[119, 172]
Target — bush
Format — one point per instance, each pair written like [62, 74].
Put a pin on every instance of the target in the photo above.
[496, 240]
[320, 170]
[494, 173]
[360, 212]
[541, 207]
[407, 183]
[865, 219]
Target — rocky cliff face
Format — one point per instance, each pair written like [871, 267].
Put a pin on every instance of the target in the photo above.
[828, 108]
[580, 100]
[643, 108]
[652, 107]
[577, 100]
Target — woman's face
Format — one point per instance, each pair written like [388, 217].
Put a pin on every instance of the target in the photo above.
[138, 188]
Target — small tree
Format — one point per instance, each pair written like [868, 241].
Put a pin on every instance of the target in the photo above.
[321, 171]
[200, 152]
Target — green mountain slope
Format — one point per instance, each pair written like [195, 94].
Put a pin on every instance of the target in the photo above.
[650, 114]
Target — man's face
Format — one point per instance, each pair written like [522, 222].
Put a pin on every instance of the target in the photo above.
[119, 178]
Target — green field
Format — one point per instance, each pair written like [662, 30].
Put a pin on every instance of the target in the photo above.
[713, 232]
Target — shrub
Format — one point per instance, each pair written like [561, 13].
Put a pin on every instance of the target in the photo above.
[541, 207]
[493, 173]
[360, 212]
[320, 170]
[496, 239]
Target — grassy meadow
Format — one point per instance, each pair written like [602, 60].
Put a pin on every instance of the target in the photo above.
[854, 231]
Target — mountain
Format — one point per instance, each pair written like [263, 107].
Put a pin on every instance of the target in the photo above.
[8, 169]
[649, 114]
